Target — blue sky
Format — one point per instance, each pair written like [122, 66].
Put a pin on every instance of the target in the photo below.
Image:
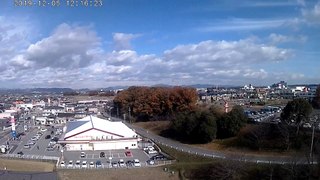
[147, 42]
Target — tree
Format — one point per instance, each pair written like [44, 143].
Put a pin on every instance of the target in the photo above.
[296, 112]
[230, 123]
[156, 102]
[195, 127]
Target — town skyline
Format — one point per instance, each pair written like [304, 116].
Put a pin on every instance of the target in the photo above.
[145, 43]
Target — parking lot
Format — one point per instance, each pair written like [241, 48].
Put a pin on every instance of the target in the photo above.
[37, 139]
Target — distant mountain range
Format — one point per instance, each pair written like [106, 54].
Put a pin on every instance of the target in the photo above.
[36, 90]
[64, 90]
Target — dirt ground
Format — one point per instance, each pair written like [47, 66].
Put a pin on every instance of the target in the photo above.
[118, 174]
[25, 165]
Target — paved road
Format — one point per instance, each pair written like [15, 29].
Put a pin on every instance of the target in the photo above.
[219, 154]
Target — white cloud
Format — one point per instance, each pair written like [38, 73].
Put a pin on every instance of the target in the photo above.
[122, 41]
[72, 56]
[237, 24]
[312, 16]
[279, 38]
[67, 47]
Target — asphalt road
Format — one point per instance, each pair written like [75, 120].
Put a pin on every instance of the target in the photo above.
[220, 154]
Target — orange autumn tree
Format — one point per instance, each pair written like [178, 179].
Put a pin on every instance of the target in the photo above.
[150, 103]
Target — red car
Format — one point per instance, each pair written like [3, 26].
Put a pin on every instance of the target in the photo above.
[128, 153]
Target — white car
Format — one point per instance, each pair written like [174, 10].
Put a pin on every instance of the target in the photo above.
[84, 164]
[91, 165]
[121, 163]
[62, 164]
[70, 164]
[83, 155]
[136, 163]
[77, 164]
[43, 129]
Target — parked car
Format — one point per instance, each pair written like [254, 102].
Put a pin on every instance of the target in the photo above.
[91, 165]
[128, 153]
[20, 153]
[34, 138]
[158, 157]
[129, 163]
[26, 146]
[84, 164]
[82, 154]
[31, 142]
[62, 164]
[150, 162]
[136, 163]
[102, 154]
[114, 164]
[78, 164]
[70, 164]
[43, 130]
[121, 163]
[98, 164]
[48, 136]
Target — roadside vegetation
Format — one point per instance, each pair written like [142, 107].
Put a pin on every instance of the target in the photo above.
[198, 167]
[195, 124]
[190, 123]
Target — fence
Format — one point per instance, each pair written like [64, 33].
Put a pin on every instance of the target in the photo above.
[30, 157]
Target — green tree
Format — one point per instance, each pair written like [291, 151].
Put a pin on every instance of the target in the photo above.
[296, 112]
[195, 127]
[230, 123]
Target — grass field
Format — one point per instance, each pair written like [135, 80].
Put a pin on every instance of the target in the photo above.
[117, 174]
[26, 165]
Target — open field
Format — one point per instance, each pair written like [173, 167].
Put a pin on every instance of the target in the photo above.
[117, 174]
[26, 165]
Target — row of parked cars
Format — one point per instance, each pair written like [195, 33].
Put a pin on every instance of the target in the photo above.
[34, 139]
[98, 164]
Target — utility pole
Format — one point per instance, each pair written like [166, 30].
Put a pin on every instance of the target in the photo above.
[129, 114]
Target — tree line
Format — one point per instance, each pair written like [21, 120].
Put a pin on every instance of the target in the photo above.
[154, 103]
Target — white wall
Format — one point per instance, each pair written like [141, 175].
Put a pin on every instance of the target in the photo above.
[116, 145]
[93, 135]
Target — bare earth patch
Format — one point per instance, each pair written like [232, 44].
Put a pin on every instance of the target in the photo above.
[26, 165]
[117, 174]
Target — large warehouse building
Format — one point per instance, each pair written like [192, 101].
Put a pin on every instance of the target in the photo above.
[92, 133]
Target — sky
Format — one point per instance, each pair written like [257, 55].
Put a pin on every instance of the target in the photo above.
[148, 42]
